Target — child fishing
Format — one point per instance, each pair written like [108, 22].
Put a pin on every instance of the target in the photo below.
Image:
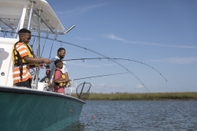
[59, 79]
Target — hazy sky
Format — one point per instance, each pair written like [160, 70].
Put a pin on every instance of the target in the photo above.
[159, 33]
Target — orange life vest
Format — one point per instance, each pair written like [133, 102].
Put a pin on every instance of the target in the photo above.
[21, 70]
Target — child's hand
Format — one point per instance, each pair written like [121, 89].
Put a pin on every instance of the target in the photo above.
[49, 83]
[69, 84]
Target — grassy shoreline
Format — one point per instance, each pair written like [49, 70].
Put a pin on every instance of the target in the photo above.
[144, 96]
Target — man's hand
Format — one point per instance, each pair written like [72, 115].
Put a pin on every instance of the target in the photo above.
[39, 66]
[46, 61]
[69, 84]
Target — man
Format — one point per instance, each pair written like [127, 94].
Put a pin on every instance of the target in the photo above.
[23, 60]
[61, 52]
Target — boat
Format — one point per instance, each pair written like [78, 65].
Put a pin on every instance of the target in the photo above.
[35, 109]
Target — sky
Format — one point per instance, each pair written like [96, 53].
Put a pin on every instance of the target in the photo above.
[160, 34]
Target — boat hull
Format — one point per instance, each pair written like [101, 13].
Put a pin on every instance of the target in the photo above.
[24, 109]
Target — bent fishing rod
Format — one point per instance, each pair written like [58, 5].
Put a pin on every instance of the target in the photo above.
[87, 49]
[101, 58]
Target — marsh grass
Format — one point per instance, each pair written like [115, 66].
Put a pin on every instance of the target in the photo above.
[144, 96]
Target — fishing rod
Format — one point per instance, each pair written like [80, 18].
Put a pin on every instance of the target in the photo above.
[95, 76]
[101, 58]
[47, 34]
[71, 44]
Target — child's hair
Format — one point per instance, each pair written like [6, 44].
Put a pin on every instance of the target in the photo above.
[24, 30]
[57, 61]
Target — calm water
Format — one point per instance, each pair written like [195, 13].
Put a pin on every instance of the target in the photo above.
[167, 115]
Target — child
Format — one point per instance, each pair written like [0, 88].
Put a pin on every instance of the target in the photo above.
[59, 78]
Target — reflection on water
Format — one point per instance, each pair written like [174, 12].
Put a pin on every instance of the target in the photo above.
[137, 116]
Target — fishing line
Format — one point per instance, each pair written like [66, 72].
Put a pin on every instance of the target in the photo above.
[95, 76]
[34, 39]
[100, 55]
[44, 44]
[100, 58]
[87, 49]
[55, 38]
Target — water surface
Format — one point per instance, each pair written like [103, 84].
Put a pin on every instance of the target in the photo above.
[164, 115]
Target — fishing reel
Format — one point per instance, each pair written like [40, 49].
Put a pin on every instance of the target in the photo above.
[44, 66]
[32, 71]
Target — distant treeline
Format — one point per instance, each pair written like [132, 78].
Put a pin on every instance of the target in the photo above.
[143, 96]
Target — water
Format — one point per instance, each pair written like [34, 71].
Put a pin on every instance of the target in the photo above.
[166, 115]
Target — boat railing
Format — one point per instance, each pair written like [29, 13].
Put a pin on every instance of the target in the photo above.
[83, 90]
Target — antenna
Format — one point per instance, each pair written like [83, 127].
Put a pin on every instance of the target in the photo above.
[69, 29]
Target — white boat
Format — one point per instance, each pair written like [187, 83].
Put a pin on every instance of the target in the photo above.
[23, 109]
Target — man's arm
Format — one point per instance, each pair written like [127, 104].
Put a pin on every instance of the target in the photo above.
[36, 60]
[66, 73]
[67, 79]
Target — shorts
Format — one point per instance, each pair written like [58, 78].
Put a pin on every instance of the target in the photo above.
[24, 84]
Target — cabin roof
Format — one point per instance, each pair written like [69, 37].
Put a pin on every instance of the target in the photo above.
[11, 11]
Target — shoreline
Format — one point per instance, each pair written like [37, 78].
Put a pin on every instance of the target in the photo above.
[143, 96]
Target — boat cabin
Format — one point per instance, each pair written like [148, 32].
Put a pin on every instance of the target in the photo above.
[35, 15]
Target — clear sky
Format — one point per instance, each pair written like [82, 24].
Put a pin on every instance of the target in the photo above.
[160, 33]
